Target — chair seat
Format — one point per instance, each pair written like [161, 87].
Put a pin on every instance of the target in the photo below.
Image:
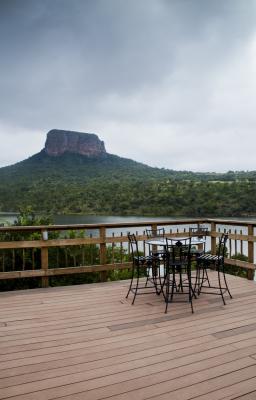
[210, 258]
[196, 253]
[178, 265]
[144, 260]
[159, 254]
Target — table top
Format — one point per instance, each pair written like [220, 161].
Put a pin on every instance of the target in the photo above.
[162, 241]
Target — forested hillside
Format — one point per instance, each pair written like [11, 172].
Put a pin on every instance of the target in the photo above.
[108, 184]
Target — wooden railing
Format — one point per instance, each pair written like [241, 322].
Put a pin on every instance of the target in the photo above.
[52, 250]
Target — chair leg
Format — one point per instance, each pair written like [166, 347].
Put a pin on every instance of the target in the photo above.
[159, 279]
[226, 284]
[202, 276]
[222, 286]
[207, 277]
[197, 280]
[161, 282]
[130, 282]
[174, 286]
[167, 286]
[137, 284]
[155, 276]
[179, 286]
[221, 291]
[190, 289]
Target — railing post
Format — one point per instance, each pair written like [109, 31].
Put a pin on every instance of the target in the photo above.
[154, 227]
[44, 266]
[213, 238]
[103, 274]
[250, 272]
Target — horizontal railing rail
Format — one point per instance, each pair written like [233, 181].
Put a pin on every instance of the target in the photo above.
[54, 250]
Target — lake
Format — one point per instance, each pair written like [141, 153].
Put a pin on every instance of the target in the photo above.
[9, 218]
[6, 218]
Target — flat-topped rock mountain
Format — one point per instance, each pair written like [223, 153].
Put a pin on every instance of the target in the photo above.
[60, 141]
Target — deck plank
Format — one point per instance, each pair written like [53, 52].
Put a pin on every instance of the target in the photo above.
[88, 342]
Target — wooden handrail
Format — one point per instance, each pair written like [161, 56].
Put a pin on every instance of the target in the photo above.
[102, 240]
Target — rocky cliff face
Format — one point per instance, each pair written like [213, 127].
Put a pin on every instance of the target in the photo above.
[59, 142]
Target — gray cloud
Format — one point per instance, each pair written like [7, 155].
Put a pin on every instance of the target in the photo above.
[160, 81]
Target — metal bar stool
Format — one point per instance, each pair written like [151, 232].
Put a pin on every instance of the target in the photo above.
[218, 260]
[178, 271]
[143, 266]
[198, 235]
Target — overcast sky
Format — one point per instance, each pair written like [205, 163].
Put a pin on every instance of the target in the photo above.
[171, 83]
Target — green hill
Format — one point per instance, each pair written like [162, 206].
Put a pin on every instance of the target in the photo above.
[108, 184]
[72, 182]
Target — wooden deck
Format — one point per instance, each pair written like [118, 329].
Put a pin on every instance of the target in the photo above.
[88, 342]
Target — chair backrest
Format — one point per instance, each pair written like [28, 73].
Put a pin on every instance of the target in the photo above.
[133, 245]
[155, 233]
[199, 232]
[178, 251]
[222, 245]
